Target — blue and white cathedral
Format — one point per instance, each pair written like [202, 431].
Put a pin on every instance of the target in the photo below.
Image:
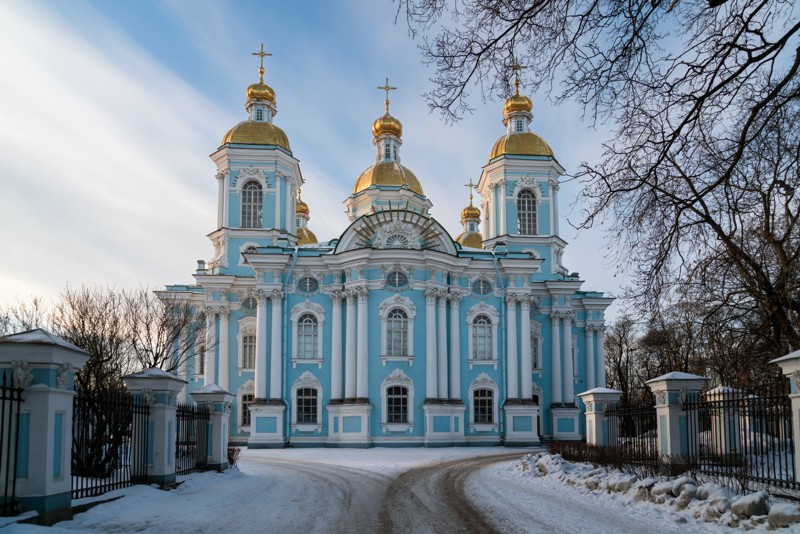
[393, 333]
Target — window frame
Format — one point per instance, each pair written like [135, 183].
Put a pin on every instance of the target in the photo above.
[537, 343]
[252, 205]
[386, 308]
[306, 380]
[247, 327]
[248, 388]
[298, 311]
[397, 378]
[527, 212]
[494, 317]
[484, 382]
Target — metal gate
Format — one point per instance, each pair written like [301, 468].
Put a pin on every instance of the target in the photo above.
[10, 401]
[191, 444]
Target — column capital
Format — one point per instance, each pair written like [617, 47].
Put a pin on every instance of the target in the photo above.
[431, 294]
[563, 314]
[276, 295]
[337, 296]
[454, 297]
[596, 327]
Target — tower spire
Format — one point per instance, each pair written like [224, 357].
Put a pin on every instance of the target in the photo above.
[471, 187]
[387, 88]
[261, 54]
[517, 67]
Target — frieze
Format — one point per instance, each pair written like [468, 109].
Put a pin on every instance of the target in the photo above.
[397, 234]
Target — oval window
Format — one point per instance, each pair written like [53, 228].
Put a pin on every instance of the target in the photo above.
[307, 284]
[481, 287]
[396, 279]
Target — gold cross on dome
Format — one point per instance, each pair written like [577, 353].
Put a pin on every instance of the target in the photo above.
[387, 88]
[517, 67]
[471, 187]
[261, 54]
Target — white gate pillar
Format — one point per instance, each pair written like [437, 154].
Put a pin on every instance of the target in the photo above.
[218, 402]
[790, 366]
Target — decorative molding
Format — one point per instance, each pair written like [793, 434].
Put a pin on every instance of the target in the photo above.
[23, 376]
[248, 173]
[485, 309]
[398, 378]
[530, 183]
[62, 378]
[308, 307]
[397, 234]
[307, 380]
[483, 380]
[249, 387]
[398, 301]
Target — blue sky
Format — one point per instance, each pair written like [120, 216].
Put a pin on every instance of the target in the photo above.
[108, 111]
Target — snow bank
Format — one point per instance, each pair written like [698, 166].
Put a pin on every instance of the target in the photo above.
[707, 502]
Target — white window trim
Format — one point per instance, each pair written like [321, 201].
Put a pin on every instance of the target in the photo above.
[490, 311]
[247, 327]
[575, 358]
[397, 378]
[317, 311]
[536, 333]
[307, 380]
[248, 388]
[199, 356]
[483, 381]
[405, 304]
[242, 249]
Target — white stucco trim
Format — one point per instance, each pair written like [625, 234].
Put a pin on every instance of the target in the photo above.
[397, 378]
[317, 311]
[536, 335]
[248, 388]
[307, 380]
[247, 327]
[242, 248]
[491, 312]
[405, 304]
[483, 381]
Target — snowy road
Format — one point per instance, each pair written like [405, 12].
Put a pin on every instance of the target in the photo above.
[371, 491]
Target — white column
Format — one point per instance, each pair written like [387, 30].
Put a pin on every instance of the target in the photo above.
[223, 381]
[261, 348]
[455, 348]
[289, 213]
[526, 358]
[554, 207]
[336, 345]
[485, 222]
[492, 215]
[590, 356]
[362, 387]
[512, 371]
[220, 199]
[277, 202]
[430, 344]
[211, 323]
[275, 360]
[569, 379]
[441, 351]
[350, 348]
[226, 191]
[601, 356]
[555, 356]
[502, 195]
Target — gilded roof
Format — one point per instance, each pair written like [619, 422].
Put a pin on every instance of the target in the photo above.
[521, 144]
[301, 207]
[387, 124]
[257, 133]
[305, 237]
[470, 212]
[388, 173]
[470, 239]
[517, 102]
[260, 91]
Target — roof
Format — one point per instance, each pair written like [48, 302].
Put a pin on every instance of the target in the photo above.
[40, 336]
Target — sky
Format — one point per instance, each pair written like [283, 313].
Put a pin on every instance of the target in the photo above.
[109, 110]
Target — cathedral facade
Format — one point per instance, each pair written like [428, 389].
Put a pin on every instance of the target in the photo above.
[393, 333]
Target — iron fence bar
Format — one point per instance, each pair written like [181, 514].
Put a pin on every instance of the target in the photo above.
[11, 398]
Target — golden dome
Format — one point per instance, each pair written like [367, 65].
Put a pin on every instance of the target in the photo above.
[301, 207]
[470, 212]
[521, 144]
[387, 125]
[388, 173]
[518, 102]
[257, 133]
[260, 91]
[305, 237]
[470, 239]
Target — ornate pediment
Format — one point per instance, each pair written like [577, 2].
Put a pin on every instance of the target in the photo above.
[483, 381]
[397, 234]
[307, 380]
[397, 378]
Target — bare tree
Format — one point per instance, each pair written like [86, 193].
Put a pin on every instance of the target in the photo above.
[24, 315]
[699, 182]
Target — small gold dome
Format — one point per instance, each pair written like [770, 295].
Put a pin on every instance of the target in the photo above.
[257, 133]
[521, 144]
[470, 212]
[301, 207]
[260, 91]
[305, 237]
[518, 102]
[388, 173]
[470, 239]
[387, 125]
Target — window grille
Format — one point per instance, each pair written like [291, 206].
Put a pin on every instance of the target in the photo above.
[248, 352]
[397, 333]
[526, 213]
[307, 284]
[397, 404]
[247, 400]
[307, 332]
[252, 196]
[481, 287]
[481, 338]
[483, 403]
[396, 279]
[307, 405]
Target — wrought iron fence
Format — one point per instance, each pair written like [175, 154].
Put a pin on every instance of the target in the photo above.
[10, 401]
[191, 444]
[109, 442]
[743, 438]
[632, 431]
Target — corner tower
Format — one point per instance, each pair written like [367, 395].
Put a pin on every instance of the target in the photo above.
[519, 188]
[258, 180]
[387, 182]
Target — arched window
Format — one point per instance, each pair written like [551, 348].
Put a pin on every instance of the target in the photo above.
[483, 406]
[247, 400]
[248, 352]
[396, 405]
[526, 212]
[307, 337]
[397, 333]
[251, 205]
[307, 406]
[481, 338]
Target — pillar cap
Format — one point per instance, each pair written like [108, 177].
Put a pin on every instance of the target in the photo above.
[677, 380]
[155, 380]
[211, 393]
[41, 347]
[600, 391]
[789, 363]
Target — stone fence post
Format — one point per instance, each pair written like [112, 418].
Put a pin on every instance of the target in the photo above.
[598, 401]
[160, 390]
[43, 365]
[790, 366]
[674, 440]
[218, 401]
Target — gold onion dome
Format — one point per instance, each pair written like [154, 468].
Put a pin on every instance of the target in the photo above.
[260, 91]
[257, 133]
[301, 207]
[387, 125]
[471, 239]
[521, 144]
[470, 212]
[305, 237]
[388, 173]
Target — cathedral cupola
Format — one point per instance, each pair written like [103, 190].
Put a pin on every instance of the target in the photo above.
[304, 235]
[517, 117]
[261, 108]
[471, 220]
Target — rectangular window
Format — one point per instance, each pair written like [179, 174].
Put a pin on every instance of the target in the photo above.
[484, 405]
[247, 400]
[387, 152]
[200, 360]
[535, 357]
[248, 352]
[307, 406]
[397, 405]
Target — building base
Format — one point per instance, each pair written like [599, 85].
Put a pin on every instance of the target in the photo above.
[349, 425]
[522, 425]
[565, 422]
[444, 424]
[266, 426]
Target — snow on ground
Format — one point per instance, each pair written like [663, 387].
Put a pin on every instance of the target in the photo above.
[315, 490]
